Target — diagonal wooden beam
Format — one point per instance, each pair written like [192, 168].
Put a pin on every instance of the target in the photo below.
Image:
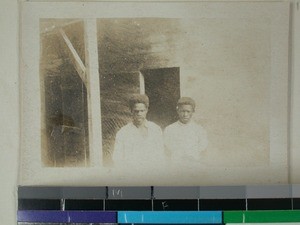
[78, 64]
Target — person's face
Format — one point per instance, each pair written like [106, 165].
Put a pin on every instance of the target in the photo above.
[139, 113]
[185, 113]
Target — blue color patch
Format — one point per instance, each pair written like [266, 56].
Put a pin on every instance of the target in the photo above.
[179, 217]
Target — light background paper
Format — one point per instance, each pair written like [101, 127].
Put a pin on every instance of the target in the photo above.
[10, 105]
[230, 33]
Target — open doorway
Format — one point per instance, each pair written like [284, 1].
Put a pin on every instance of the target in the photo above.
[163, 89]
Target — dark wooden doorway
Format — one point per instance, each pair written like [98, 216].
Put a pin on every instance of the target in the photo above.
[163, 89]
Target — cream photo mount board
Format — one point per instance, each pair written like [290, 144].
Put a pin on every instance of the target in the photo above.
[81, 63]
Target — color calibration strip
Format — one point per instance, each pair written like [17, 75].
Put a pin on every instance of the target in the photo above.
[159, 217]
[159, 205]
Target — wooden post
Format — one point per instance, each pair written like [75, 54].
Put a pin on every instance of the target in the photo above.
[93, 91]
[142, 83]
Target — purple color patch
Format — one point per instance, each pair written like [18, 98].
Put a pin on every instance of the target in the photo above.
[66, 216]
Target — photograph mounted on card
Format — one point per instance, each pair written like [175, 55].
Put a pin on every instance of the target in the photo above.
[142, 93]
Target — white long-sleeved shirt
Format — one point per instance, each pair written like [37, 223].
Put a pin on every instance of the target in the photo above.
[185, 142]
[136, 148]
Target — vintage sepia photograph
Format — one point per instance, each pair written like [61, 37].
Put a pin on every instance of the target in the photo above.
[163, 92]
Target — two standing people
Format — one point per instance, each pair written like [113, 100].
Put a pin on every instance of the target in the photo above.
[142, 143]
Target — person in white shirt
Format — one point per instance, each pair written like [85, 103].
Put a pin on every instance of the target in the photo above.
[139, 144]
[185, 141]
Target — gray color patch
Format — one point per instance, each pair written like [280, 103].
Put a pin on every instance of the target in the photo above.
[84, 192]
[176, 192]
[129, 192]
[30, 192]
[295, 190]
[269, 191]
[223, 192]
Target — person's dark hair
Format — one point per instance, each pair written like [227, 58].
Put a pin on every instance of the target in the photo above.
[138, 98]
[186, 101]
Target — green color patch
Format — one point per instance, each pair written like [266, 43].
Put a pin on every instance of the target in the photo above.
[274, 216]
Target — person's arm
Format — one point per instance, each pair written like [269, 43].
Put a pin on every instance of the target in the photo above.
[118, 149]
[203, 143]
[167, 143]
[160, 140]
[203, 140]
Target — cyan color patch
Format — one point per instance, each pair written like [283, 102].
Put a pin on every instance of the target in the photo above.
[180, 217]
